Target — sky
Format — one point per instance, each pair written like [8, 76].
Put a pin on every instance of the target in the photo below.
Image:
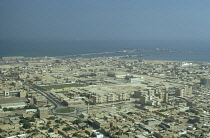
[105, 19]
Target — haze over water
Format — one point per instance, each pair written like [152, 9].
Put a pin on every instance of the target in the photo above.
[184, 50]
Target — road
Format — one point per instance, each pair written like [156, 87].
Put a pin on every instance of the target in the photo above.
[55, 103]
[79, 109]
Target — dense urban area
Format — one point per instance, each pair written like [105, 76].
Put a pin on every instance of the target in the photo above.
[103, 97]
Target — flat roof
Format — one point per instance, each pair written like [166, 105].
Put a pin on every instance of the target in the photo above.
[12, 100]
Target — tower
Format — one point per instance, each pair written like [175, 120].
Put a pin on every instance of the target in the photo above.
[180, 92]
[88, 112]
[166, 97]
[190, 91]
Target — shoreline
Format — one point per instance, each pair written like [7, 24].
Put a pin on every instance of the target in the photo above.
[164, 61]
[15, 58]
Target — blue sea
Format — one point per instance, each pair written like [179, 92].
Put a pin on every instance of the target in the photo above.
[168, 50]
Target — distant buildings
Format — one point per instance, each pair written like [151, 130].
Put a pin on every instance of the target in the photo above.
[127, 98]
[12, 58]
[184, 91]
[109, 98]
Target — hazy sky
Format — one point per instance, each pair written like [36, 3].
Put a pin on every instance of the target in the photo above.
[105, 19]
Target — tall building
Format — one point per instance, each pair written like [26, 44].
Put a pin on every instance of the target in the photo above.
[144, 99]
[160, 95]
[180, 92]
[186, 88]
[88, 110]
[186, 91]
[205, 81]
[137, 94]
[190, 91]
[165, 97]
[43, 112]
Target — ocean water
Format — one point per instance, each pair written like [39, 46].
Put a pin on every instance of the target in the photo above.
[178, 50]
